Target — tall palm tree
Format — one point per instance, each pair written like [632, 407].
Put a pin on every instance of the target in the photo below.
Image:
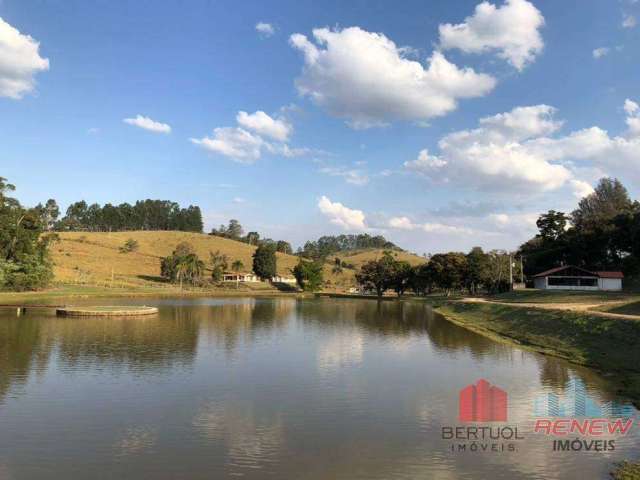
[189, 268]
[236, 266]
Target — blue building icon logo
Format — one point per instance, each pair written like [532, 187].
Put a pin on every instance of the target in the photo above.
[577, 403]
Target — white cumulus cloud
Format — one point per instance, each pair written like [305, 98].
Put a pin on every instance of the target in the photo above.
[404, 223]
[495, 155]
[518, 151]
[246, 142]
[344, 217]
[352, 176]
[512, 30]
[148, 124]
[515, 222]
[265, 29]
[365, 78]
[600, 52]
[632, 110]
[262, 124]
[20, 61]
[237, 143]
[581, 188]
[631, 107]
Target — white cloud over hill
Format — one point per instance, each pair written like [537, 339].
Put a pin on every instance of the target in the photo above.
[368, 80]
[246, 142]
[521, 151]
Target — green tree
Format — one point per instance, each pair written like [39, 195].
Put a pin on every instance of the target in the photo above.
[183, 266]
[189, 269]
[234, 230]
[422, 279]
[219, 262]
[609, 199]
[284, 247]
[552, 225]
[237, 266]
[309, 275]
[402, 277]
[252, 238]
[49, 213]
[449, 270]
[600, 238]
[144, 215]
[337, 266]
[131, 245]
[478, 269]
[24, 250]
[264, 261]
[377, 274]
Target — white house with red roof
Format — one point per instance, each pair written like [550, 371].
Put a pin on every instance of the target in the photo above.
[570, 277]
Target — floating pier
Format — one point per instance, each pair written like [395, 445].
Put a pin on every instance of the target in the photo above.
[106, 311]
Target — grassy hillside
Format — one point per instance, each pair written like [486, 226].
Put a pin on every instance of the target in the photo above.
[94, 257]
[357, 258]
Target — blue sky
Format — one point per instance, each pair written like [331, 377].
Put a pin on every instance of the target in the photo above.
[441, 125]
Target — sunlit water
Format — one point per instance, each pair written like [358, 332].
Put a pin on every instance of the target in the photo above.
[269, 388]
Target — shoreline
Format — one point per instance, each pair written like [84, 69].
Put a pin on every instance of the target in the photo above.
[584, 340]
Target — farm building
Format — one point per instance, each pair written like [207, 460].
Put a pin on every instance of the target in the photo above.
[576, 278]
[240, 277]
[283, 279]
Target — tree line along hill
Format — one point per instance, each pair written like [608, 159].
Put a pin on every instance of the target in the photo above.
[97, 257]
[602, 233]
[125, 245]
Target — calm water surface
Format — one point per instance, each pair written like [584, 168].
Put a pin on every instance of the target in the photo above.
[269, 388]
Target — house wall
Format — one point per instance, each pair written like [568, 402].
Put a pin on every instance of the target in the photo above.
[540, 283]
[240, 278]
[279, 279]
[572, 287]
[610, 284]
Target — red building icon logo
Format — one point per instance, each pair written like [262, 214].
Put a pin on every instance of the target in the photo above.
[483, 402]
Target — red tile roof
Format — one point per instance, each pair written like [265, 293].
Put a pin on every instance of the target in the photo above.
[546, 273]
[593, 274]
[610, 274]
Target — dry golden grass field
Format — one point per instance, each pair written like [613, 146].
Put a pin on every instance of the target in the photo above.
[359, 257]
[94, 258]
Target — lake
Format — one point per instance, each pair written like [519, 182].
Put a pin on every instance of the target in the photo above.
[273, 388]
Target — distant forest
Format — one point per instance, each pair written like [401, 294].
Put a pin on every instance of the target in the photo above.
[144, 215]
[330, 244]
[316, 250]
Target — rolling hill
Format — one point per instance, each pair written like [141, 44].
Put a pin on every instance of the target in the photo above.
[94, 258]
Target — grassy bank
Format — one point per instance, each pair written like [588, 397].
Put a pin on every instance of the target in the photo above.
[561, 296]
[608, 345]
[626, 471]
[631, 308]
